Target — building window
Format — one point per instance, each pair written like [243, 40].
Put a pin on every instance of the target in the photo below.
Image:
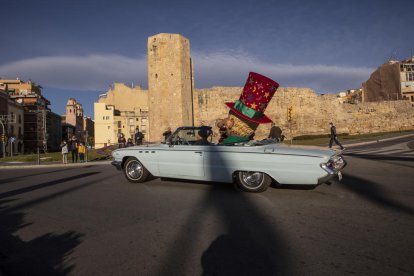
[20, 119]
[412, 98]
[119, 124]
[109, 127]
[131, 121]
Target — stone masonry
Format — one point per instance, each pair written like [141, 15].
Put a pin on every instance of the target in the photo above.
[170, 83]
[311, 112]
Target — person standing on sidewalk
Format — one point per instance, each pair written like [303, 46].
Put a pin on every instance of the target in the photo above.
[139, 137]
[81, 151]
[65, 151]
[333, 137]
[74, 148]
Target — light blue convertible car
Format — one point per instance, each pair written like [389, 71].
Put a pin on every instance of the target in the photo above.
[252, 165]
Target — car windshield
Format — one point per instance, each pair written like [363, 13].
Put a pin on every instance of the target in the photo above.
[191, 136]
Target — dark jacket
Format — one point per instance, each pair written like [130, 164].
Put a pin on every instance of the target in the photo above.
[275, 132]
[333, 131]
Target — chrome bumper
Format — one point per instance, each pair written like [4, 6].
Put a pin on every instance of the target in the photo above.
[117, 164]
[333, 168]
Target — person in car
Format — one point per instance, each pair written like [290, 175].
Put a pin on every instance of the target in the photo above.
[204, 133]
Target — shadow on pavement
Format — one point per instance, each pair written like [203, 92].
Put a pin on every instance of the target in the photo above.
[44, 255]
[14, 179]
[46, 184]
[374, 193]
[381, 157]
[48, 254]
[250, 245]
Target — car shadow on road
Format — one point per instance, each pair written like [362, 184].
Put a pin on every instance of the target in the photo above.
[295, 187]
[381, 157]
[374, 193]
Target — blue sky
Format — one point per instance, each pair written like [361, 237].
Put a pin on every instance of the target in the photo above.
[78, 48]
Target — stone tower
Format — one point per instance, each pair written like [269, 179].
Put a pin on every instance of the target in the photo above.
[74, 115]
[170, 84]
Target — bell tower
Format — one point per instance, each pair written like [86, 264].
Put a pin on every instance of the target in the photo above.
[170, 84]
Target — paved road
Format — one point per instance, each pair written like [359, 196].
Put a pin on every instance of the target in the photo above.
[89, 221]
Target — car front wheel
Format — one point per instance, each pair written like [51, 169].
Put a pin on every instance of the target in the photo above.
[134, 171]
[255, 182]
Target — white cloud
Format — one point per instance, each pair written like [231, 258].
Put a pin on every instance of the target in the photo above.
[96, 72]
[93, 72]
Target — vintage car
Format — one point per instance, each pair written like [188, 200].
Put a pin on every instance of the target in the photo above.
[252, 165]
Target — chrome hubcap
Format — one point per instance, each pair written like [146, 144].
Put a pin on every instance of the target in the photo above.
[134, 169]
[252, 179]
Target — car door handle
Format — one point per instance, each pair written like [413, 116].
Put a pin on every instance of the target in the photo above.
[200, 152]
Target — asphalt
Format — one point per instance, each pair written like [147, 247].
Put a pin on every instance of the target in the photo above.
[46, 164]
[25, 165]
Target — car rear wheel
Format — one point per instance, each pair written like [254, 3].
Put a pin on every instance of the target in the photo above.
[134, 171]
[254, 182]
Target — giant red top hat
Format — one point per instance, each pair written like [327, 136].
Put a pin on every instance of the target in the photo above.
[257, 93]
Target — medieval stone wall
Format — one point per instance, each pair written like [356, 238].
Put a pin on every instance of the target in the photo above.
[311, 112]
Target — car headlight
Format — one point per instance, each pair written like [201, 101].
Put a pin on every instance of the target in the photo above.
[334, 164]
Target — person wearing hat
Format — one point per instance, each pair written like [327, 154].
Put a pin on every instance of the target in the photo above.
[204, 133]
[248, 111]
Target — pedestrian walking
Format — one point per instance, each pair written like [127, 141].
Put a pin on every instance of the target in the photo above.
[65, 151]
[74, 149]
[81, 151]
[333, 137]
